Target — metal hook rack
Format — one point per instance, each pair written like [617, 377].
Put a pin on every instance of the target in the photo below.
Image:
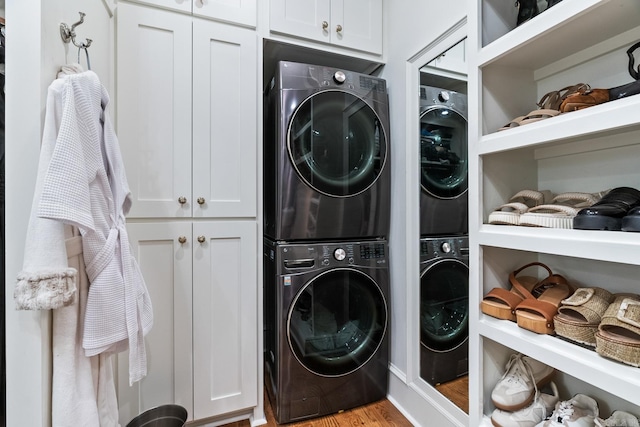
[69, 33]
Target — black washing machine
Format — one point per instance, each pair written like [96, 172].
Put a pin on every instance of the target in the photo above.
[326, 326]
[326, 149]
[444, 162]
[444, 308]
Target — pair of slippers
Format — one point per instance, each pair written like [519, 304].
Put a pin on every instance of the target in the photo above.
[534, 208]
[549, 106]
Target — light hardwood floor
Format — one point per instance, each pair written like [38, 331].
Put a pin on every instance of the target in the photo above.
[457, 391]
[377, 414]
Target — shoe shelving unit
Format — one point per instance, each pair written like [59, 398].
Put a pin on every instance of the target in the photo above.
[511, 68]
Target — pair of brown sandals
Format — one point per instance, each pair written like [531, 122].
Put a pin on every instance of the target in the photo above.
[550, 105]
[530, 302]
[580, 96]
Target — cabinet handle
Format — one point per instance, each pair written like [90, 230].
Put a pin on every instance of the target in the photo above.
[201, 239]
[338, 28]
[182, 200]
[182, 240]
[325, 25]
[201, 200]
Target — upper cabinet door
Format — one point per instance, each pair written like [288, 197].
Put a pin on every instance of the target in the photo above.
[153, 54]
[181, 5]
[354, 24]
[357, 24]
[242, 12]
[225, 90]
[302, 18]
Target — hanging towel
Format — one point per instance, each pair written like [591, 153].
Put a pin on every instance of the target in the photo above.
[84, 185]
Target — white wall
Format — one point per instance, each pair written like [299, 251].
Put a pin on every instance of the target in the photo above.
[411, 25]
[34, 53]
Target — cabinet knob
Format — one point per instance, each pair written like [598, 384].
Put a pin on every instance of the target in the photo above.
[182, 200]
[325, 25]
[201, 200]
[182, 240]
[201, 239]
[338, 28]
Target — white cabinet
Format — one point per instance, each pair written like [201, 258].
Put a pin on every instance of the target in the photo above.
[187, 114]
[354, 24]
[202, 349]
[242, 12]
[225, 307]
[451, 64]
[187, 95]
[588, 150]
[166, 265]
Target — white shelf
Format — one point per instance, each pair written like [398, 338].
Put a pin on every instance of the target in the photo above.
[511, 67]
[619, 116]
[613, 246]
[613, 377]
[569, 27]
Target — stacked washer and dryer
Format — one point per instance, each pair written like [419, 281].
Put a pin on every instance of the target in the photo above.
[444, 241]
[326, 221]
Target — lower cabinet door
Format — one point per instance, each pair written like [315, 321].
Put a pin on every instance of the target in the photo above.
[166, 266]
[225, 307]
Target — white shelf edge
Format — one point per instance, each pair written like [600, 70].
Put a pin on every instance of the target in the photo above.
[613, 377]
[524, 34]
[613, 246]
[567, 126]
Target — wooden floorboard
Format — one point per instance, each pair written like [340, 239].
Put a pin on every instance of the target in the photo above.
[457, 391]
[376, 414]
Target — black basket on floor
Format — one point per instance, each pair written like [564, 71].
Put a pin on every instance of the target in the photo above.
[161, 416]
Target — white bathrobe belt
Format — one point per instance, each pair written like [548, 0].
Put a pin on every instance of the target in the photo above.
[137, 351]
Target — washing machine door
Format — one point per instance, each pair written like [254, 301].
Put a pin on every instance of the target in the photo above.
[336, 143]
[443, 152]
[444, 305]
[336, 322]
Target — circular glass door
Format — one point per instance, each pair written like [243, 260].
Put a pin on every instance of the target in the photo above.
[336, 143]
[337, 322]
[444, 305]
[443, 152]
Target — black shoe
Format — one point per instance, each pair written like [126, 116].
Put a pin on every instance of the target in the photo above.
[608, 212]
[623, 91]
[635, 73]
[631, 222]
[552, 3]
[527, 10]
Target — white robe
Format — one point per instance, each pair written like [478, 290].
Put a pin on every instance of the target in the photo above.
[82, 182]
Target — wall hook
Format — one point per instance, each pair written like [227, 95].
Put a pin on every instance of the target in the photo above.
[69, 34]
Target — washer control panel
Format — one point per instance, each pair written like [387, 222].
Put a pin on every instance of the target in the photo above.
[431, 248]
[301, 257]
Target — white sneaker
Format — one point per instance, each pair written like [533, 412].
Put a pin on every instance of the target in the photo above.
[580, 411]
[618, 419]
[517, 387]
[531, 415]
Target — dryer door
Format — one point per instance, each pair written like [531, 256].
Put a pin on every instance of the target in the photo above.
[444, 305]
[443, 152]
[337, 322]
[336, 143]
